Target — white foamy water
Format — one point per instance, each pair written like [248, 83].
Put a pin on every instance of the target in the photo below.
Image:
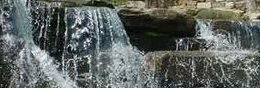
[234, 54]
[96, 54]
[34, 64]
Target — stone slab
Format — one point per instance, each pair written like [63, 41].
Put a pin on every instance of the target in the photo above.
[218, 5]
[204, 5]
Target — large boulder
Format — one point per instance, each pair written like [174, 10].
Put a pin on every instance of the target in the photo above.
[220, 14]
[147, 29]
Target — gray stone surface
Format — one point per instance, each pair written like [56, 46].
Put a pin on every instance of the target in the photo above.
[192, 4]
[230, 5]
[219, 0]
[204, 5]
[135, 4]
[218, 5]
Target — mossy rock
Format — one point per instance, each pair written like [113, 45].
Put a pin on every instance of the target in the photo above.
[192, 12]
[219, 15]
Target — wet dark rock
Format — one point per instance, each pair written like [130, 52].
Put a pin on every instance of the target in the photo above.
[49, 29]
[8, 50]
[99, 4]
[156, 29]
[197, 69]
[9, 53]
[165, 21]
[222, 27]
[79, 3]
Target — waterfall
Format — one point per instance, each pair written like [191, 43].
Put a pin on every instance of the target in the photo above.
[229, 57]
[71, 47]
[47, 45]
[95, 37]
[238, 36]
[33, 65]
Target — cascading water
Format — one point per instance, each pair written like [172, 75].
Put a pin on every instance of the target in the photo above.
[47, 45]
[95, 52]
[95, 38]
[33, 64]
[230, 56]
